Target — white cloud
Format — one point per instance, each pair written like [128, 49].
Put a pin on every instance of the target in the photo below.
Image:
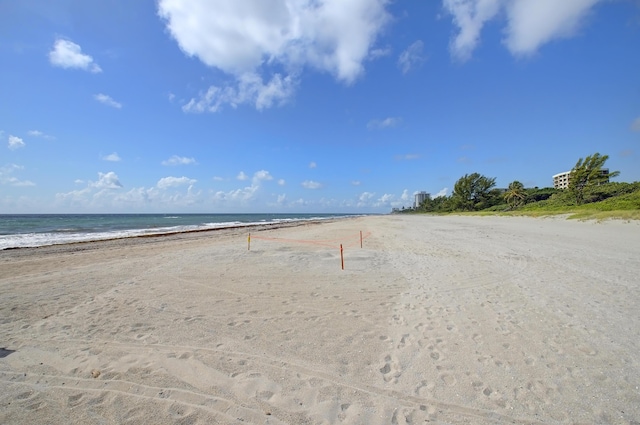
[246, 194]
[15, 143]
[106, 181]
[533, 23]
[37, 133]
[310, 184]
[100, 196]
[364, 198]
[385, 200]
[405, 195]
[113, 157]
[218, 178]
[256, 41]
[530, 23]
[443, 192]
[178, 160]
[167, 182]
[356, 183]
[412, 57]
[67, 54]
[281, 182]
[262, 175]
[107, 100]
[250, 89]
[469, 16]
[312, 164]
[7, 178]
[384, 123]
[239, 195]
[635, 125]
[379, 53]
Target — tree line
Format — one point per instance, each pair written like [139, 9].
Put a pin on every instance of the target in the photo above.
[476, 192]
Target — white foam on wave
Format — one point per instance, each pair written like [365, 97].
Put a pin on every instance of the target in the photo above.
[28, 240]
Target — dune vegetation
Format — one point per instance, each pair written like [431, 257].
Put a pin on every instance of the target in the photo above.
[590, 195]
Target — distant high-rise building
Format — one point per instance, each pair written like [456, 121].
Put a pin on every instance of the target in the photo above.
[420, 197]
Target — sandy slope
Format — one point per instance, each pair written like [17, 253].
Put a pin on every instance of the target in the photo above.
[477, 320]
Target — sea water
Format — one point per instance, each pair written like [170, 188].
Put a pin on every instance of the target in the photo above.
[31, 230]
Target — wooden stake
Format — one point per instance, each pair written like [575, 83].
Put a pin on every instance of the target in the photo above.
[341, 257]
[360, 238]
[249, 242]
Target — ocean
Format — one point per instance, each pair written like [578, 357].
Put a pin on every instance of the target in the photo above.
[32, 230]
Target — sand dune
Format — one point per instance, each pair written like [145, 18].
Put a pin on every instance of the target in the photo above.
[456, 320]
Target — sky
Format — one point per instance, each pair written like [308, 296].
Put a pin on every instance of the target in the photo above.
[295, 106]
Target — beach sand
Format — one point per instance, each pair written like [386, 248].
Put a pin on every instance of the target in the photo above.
[452, 320]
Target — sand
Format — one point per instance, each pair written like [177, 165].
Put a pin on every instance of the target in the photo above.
[451, 320]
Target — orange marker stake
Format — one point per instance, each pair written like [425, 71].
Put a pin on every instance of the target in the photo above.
[249, 242]
[341, 257]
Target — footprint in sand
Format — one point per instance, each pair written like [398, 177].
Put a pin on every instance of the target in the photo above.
[391, 370]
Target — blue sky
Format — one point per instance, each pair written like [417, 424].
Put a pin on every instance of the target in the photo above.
[306, 105]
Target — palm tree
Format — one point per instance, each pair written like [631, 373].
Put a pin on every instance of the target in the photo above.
[589, 172]
[515, 194]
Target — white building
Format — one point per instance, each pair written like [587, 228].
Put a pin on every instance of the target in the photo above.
[420, 197]
[562, 180]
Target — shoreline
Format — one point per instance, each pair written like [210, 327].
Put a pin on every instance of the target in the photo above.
[176, 234]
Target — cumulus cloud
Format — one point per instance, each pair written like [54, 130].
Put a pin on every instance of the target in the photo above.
[264, 46]
[178, 160]
[106, 181]
[113, 157]
[107, 100]
[15, 143]
[413, 57]
[7, 177]
[365, 198]
[530, 23]
[469, 16]
[533, 23]
[635, 125]
[262, 175]
[239, 195]
[245, 194]
[310, 184]
[388, 122]
[67, 54]
[167, 182]
[443, 192]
